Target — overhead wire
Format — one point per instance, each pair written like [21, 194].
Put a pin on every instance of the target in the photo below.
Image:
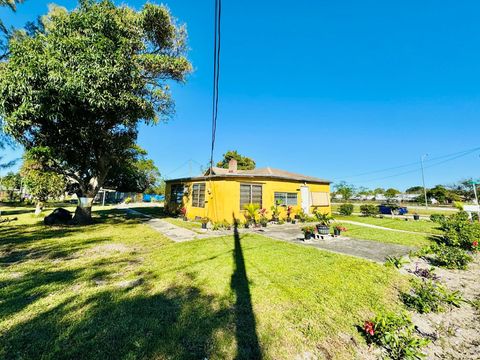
[216, 73]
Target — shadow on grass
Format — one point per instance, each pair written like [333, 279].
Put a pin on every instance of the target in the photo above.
[178, 323]
[109, 322]
[248, 346]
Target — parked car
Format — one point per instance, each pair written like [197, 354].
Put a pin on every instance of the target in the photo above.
[387, 209]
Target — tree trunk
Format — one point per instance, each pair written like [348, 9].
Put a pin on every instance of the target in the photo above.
[83, 215]
[38, 208]
[83, 212]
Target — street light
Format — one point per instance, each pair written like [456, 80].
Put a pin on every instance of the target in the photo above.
[423, 180]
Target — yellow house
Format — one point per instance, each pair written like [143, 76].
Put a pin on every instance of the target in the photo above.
[221, 194]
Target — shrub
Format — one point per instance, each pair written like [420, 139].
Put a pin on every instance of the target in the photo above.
[451, 257]
[425, 296]
[369, 210]
[395, 261]
[437, 218]
[396, 334]
[346, 209]
[308, 230]
[460, 231]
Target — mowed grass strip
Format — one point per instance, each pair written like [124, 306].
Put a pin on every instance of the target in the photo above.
[118, 289]
[421, 226]
[386, 236]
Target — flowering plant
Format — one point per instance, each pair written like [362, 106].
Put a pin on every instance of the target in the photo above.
[475, 245]
[369, 328]
[340, 228]
[183, 211]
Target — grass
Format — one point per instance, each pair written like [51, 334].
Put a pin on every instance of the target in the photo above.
[412, 209]
[421, 226]
[385, 236]
[118, 289]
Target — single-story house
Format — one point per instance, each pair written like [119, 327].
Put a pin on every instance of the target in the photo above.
[221, 194]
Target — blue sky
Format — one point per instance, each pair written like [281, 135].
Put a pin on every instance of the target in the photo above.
[326, 88]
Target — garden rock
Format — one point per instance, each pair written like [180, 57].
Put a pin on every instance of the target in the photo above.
[59, 216]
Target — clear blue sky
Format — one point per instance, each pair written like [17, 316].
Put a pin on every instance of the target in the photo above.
[325, 88]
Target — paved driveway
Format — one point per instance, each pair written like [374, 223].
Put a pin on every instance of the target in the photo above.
[367, 249]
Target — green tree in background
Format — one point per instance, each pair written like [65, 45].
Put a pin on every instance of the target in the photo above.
[136, 174]
[391, 193]
[243, 162]
[11, 182]
[41, 184]
[74, 93]
[345, 190]
[414, 190]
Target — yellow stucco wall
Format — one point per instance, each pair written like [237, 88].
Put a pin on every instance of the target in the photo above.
[222, 197]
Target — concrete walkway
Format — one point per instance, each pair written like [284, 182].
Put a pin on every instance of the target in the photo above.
[174, 232]
[366, 249]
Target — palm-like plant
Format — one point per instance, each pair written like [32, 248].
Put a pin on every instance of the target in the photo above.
[323, 219]
[251, 211]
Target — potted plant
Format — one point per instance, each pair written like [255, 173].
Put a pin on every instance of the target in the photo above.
[308, 231]
[263, 217]
[289, 213]
[337, 230]
[416, 217]
[250, 213]
[275, 212]
[205, 221]
[323, 227]
[183, 211]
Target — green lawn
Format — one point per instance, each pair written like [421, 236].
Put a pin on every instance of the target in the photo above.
[386, 236]
[422, 226]
[118, 289]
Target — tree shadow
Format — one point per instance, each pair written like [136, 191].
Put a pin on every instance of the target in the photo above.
[248, 346]
[178, 323]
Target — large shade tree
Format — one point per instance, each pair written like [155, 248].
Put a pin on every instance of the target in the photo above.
[74, 93]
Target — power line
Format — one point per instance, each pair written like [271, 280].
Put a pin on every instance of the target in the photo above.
[451, 158]
[461, 153]
[216, 73]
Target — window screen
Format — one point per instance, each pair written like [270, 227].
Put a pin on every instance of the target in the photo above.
[176, 194]
[287, 199]
[250, 194]
[320, 199]
[198, 195]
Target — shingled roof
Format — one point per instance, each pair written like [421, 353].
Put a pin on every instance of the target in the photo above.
[266, 172]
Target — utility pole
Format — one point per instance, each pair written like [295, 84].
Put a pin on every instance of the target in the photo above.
[423, 180]
[474, 184]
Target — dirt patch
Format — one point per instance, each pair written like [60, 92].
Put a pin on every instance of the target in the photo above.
[455, 333]
[106, 249]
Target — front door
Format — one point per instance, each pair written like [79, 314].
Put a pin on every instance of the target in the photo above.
[305, 194]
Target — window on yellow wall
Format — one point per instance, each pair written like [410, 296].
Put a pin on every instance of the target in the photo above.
[285, 198]
[176, 194]
[198, 195]
[250, 194]
[320, 198]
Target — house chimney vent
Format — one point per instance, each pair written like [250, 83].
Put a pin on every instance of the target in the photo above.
[232, 166]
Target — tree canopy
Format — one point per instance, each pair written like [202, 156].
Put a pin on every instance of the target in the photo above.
[345, 190]
[41, 184]
[243, 162]
[136, 174]
[74, 93]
